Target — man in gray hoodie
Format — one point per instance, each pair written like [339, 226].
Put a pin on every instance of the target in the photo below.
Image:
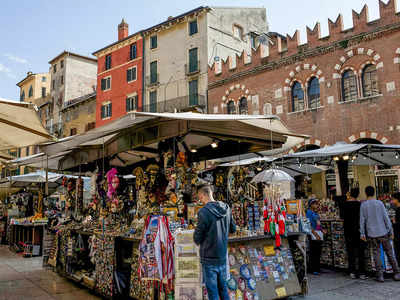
[213, 227]
[375, 224]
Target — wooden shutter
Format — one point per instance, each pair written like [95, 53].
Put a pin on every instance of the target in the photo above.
[110, 110]
[128, 105]
[193, 60]
[103, 84]
[128, 75]
[102, 112]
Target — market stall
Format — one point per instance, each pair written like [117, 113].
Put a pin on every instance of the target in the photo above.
[348, 165]
[103, 244]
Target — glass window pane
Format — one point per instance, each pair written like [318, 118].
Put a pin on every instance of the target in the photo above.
[314, 93]
[297, 97]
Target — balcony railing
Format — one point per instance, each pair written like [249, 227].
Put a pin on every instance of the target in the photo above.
[153, 79]
[192, 68]
[177, 104]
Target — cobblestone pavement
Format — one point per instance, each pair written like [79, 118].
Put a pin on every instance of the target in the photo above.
[338, 286]
[25, 279]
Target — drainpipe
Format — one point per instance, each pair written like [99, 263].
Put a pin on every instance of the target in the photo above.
[143, 70]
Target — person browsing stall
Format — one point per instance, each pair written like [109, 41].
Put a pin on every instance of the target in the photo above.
[354, 245]
[376, 226]
[316, 236]
[215, 222]
[396, 225]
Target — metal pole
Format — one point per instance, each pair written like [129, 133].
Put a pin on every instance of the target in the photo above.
[47, 176]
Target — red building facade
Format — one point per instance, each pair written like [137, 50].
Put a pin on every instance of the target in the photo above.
[119, 76]
[343, 87]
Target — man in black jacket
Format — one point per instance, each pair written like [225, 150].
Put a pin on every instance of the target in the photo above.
[214, 225]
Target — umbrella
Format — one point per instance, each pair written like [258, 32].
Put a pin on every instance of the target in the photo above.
[272, 176]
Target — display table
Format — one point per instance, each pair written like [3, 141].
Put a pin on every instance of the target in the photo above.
[271, 272]
[28, 236]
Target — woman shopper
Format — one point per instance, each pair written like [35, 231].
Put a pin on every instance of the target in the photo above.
[354, 245]
[316, 238]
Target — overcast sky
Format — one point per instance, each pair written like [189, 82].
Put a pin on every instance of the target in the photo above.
[33, 32]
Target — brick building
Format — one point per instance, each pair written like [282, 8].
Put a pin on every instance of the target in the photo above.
[119, 76]
[342, 87]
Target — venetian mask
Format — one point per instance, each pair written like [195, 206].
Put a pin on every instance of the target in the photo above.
[115, 182]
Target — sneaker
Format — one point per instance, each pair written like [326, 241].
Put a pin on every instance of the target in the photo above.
[315, 273]
[353, 276]
[380, 278]
[396, 277]
[363, 277]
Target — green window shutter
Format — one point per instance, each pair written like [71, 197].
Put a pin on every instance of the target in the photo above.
[153, 72]
[133, 70]
[136, 102]
[128, 75]
[127, 105]
[110, 110]
[193, 92]
[193, 65]
[102, 112]
[103, 84]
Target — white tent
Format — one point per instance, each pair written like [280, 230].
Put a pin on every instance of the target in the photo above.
[20, 126]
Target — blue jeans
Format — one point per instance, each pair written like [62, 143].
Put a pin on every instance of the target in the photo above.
[215, 279]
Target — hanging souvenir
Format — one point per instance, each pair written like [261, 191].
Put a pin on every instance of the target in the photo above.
[232, 284]
[232, 260]
[239, 295]
[245, 272]
[251, 284]
[242, 284]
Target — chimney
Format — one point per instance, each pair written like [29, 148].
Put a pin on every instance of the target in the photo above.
[29, 73]
[123, 30]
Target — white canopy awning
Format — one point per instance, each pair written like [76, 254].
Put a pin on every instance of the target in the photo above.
[358, 154]
[20, 126]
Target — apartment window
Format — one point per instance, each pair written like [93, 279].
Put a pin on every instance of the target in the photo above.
[153, 72]
[231, 108]
[62, 64]
[72, 131]
[243, 109]
[62, 79]
[55, 68]
[43, 92]
[153, 101]
[153, 42]
[30, 93]
[313, 93]
[193, 27]
[349, 86]
[44, 79]
[238, 31]
[53, 84]
[90, 126]
[193, 60]
[131, 103]
[370, 81]
[133, 51]
[131, 74]
[253, 40]
[106, 110]
[193, 92]
[27, 151]
[108, 62]
[297, 97]
[106, 83]
[22, 97]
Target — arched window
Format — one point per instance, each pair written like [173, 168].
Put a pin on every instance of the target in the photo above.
[297, 97]
[349, 86]
[267, 109]
[370, 81]
[243, 109]
[313, 93]
[30, 91]
[231, 108]
[22, 98]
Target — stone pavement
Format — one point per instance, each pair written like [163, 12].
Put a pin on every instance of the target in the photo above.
[331, 285]
[25, 279]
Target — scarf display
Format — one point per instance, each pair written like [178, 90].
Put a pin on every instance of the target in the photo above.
[156, 257]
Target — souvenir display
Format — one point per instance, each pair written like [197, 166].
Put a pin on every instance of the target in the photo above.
[259, 269]
[274, 214]
[104, 254]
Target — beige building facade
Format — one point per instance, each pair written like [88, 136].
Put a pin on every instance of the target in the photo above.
[179, 51]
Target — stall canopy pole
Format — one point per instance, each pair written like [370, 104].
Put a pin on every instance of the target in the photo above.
[47, 176]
